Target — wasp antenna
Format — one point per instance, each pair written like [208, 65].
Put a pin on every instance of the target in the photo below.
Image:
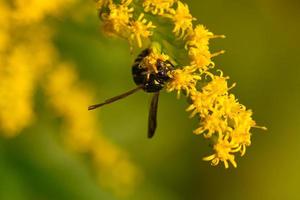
[92, 107]
[116, 98]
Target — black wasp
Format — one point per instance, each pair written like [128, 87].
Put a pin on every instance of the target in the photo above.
[149, 77]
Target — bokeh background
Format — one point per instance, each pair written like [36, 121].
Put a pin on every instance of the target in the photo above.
[262, 57]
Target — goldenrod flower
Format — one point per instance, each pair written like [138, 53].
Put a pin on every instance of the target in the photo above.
[21, 66]
[242, 122]
[140, 29]
[200, 58]
[158, 7]
[182, 20]
[199, 37]
[116, 21]
[183, 80]
[222, 118]
[204, 102]
[16, 107]
[212, 123]
[224, 150]
[217, 86]
[221, 115]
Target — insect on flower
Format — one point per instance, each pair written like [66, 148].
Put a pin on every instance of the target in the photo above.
[150, 72]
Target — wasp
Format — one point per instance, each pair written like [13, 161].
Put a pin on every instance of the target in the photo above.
[150, 77]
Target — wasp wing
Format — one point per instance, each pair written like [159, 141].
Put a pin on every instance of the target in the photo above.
[152, 122]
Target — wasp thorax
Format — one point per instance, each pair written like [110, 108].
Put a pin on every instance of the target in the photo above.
[151, 70]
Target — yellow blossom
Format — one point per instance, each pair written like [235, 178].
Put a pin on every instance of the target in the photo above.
[200, 36]
[200, 104]
[200, 58]
[217, 86]
[22, 63]
[159, 7]
[223, 152]
[183, 79]
[16, 93]
[241, 138]
[223, 116]
[230, 106]
[211, 94]
[242, 124]
[140, 29]
[198, 49]
[116, 22]
[182, 19]
[212, 123]
[208, 103]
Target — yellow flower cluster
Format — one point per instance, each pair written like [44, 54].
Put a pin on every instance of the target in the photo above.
[223, 120]
[29, 60]
[118, 19]
[222, 116]
[182, 20]
[21, 65]
[140, 29]
[183, 80]
[115, 171]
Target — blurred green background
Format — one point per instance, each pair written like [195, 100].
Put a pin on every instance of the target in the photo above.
[262, 57]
